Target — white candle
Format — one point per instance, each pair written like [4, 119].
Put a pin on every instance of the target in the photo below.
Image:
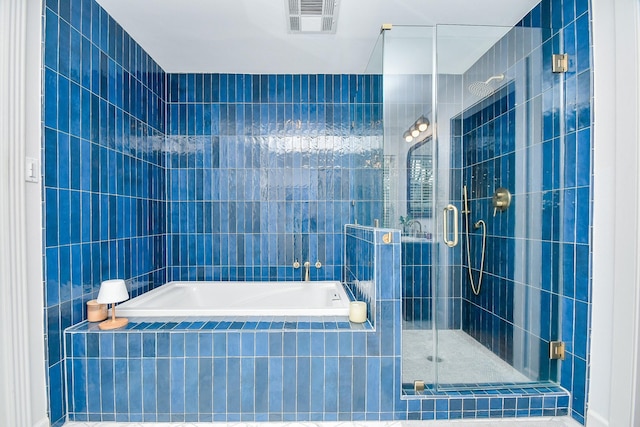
[358, 312]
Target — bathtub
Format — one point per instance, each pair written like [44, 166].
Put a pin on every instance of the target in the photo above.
[198, 299]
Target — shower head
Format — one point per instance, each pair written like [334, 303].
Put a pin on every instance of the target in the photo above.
[484, 89]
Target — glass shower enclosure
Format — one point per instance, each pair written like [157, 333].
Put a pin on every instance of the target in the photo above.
[464, 179]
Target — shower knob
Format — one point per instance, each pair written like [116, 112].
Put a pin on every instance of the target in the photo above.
[501, 200]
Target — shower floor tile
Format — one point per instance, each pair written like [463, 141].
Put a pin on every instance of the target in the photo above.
[461, 360]
[512, 422]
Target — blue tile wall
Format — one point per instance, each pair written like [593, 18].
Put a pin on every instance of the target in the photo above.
[103, 169]
[547, 228]
[417, 294]
[263, 170]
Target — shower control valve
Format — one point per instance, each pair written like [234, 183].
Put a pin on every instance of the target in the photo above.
[501, 200]
[318, 264]
[296, 264]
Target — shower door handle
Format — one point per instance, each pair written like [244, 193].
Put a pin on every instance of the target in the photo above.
[445, 226]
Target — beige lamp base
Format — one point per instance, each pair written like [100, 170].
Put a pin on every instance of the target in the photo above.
[113, 323]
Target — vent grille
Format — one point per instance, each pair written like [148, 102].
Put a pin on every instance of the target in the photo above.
[329, 7]
[294, 23]
[311, 7]
[312, 16]
[327, 24]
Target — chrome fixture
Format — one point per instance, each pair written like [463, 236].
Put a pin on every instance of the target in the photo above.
[318, 264]
[416, 131]
[476, 225]
[484, 89]
[501, 200]
[296, 264]
[410, 225]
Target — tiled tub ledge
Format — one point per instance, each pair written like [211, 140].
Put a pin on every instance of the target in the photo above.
[217, 324]
[510, 422]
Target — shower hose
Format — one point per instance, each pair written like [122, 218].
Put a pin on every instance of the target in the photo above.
[480, 223]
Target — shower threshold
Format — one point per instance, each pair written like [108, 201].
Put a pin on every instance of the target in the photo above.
[513, 422]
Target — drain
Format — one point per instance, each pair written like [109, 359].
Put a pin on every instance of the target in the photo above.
[437, 359]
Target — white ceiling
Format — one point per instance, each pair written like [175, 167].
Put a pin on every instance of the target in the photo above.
[250, 36]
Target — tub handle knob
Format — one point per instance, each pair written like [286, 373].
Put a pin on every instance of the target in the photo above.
[296, 264]
[318, 264]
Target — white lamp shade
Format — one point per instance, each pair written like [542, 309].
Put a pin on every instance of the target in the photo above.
[112, 291]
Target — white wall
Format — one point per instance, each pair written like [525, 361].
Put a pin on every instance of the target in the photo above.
[613, 392]
[22, 366]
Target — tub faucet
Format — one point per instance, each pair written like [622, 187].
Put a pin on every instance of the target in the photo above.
[307, 267]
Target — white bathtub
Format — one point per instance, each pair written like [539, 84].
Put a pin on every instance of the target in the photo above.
[197, 299]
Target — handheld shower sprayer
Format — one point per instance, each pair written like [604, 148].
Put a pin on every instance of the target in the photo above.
[465, 200]
[478, 224]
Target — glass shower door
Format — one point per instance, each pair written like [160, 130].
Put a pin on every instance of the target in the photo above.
[495, 315]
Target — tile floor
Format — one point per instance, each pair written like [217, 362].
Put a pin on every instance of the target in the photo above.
[462, 360]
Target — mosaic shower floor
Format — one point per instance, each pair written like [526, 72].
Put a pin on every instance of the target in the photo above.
[511, 422]
[461, 359]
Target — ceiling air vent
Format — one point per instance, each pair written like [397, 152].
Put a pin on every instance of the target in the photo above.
[312, 16]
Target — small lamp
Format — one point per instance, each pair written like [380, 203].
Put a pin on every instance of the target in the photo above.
[111, 292]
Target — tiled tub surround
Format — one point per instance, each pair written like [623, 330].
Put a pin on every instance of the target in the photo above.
[274, 370]
[264, 170]
[251, 370]
[103, 169]
[539, 249]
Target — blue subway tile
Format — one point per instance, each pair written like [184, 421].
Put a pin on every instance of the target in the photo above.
[134, 345]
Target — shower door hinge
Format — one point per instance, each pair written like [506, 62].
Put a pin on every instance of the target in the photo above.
[556, 350]
[418, 386]
[560, 63]
[386, 27]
